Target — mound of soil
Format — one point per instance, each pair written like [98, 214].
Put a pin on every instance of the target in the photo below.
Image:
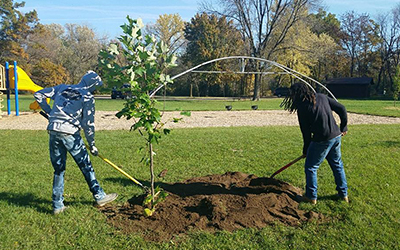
[230, 201]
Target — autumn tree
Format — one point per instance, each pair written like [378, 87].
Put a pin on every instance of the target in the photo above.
[334, 62]
[45, 49]
[210, 37]
[15, 26]
[64, 51]
[359, 36]
[264, 24]
[169, 29]
[305, 51]
[323, 22]
[82, 47]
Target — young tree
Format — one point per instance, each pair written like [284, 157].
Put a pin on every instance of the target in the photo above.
[145, 69]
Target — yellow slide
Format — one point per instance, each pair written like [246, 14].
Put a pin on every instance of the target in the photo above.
[24, 83]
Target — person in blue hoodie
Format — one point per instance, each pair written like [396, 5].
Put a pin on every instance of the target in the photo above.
[73, 109]
[321, 136]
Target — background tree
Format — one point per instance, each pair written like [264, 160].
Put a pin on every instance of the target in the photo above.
[81, 50]
[396, 85]
[44, 49]
[169, 28]
[358, 37]
[210, 37]
[389, 48]
[68, 52]
[333, 64]
[14, 28]
[323, 22]
[264, 24]
[304, 51]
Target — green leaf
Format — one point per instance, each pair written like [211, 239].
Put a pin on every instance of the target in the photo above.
[166, 131]
[119, 114]
[148, 199]
[140, 71]
[176, 120]
[186, 113]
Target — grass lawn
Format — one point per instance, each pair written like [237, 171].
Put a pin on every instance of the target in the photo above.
[371, 107]
[371, 156]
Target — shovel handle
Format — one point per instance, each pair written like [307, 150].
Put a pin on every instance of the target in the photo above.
[287, 165]
[120, 170]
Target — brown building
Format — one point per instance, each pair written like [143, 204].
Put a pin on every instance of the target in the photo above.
[350, 87]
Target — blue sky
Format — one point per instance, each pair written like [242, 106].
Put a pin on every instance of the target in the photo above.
[105, 16]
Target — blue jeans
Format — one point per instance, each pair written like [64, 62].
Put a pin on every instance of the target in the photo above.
[59, 145]
[316, 153]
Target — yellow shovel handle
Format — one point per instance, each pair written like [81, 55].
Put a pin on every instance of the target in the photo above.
[120, 170]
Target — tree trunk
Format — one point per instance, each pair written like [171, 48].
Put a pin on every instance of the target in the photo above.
[151, 172]
[257, 83]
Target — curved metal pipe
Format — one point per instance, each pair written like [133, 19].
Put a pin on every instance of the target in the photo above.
[282, 67]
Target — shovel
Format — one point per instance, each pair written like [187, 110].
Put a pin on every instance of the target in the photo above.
[146, 189]
[288, 165]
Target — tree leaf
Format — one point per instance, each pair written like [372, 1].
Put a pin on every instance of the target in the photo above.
[148, 212]
[186, 113]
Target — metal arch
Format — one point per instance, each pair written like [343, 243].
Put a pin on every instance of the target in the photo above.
[282, 67]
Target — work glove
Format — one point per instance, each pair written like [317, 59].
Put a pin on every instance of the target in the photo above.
[94, 151]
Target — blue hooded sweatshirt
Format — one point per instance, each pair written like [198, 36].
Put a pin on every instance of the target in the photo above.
[73, 106]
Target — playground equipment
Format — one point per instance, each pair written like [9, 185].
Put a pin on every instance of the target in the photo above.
[13, 77]
[24, 83]
[2, 87]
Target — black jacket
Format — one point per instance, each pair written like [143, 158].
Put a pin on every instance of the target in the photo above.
[317, 122]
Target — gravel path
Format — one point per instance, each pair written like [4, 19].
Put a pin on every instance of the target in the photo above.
[106, 120]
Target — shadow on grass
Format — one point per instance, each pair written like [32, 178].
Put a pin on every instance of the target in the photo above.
[126, 182]
[26, 200]
[30, 200]
[388, 144]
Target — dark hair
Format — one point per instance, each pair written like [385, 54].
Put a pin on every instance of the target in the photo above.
[299, 93]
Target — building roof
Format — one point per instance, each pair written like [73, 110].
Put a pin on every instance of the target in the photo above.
[351, 80]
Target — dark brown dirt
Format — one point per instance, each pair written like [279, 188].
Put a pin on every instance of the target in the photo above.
[230, 201]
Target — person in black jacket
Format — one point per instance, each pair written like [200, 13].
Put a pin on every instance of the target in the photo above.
[321, 136]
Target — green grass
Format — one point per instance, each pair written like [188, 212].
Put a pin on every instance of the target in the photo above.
[371, 107]
[371, 156]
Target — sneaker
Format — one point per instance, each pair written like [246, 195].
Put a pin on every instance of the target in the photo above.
[60, 210]
[107, 199]
[303, 198]
[345, 199]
